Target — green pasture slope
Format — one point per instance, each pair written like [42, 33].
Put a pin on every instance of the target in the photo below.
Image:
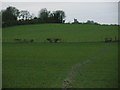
[60, 65]
[67, 32]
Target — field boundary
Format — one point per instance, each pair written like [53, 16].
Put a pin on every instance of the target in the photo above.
[58, 42]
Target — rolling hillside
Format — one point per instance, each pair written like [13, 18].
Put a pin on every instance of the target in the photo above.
[67, 32]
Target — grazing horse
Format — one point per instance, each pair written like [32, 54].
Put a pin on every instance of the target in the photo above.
[53, 40]
[56, 40]
[16, 39]
[24, 40]
[27, 41]
[108, 39]
[50, 40]
[31, 40]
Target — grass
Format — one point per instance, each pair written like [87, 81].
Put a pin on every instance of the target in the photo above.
[67, 32]
[48, 65]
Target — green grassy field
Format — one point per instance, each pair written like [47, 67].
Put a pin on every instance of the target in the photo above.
[67, 32]
[48, 65]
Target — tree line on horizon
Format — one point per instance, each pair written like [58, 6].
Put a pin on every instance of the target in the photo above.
[12, 16]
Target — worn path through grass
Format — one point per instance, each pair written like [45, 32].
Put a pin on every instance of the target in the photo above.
[76, 71]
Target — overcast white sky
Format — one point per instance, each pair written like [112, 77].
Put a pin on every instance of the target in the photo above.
[102, 12]
[59, 0]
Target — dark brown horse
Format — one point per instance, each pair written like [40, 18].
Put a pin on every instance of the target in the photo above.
[53, 40]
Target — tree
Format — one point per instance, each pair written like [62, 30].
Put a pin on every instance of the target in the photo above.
[91, 22]
[59, 16]
[44, 14]
[10, 14]
[55, 17]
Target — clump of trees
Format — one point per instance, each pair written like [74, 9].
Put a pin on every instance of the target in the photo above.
[12, 16]
[88, 22]
[91, 22]
[46, 16]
